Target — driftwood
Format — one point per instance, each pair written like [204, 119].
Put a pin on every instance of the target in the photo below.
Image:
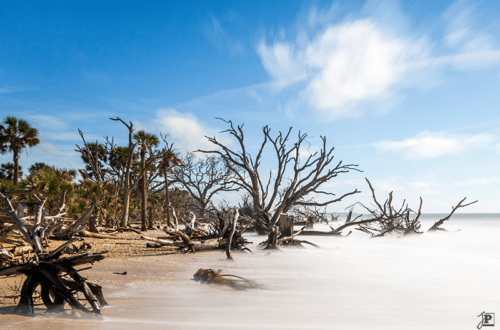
[283, 235]
[337, 231]
[435, 226]
[194, 239]
[59, 281]
[389, 219]
[86, 233]
[210, 276]
[230, 239]
[192, 246]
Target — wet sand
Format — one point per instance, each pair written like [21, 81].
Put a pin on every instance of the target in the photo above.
[130, 255]
[165, 268]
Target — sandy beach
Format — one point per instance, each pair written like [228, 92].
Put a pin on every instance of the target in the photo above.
[129, 255]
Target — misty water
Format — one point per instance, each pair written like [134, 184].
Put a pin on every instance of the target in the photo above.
[440, 280]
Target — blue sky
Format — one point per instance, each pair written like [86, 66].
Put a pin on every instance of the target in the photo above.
[407, 90]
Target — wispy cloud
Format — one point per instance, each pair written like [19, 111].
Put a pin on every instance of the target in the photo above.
[434, 144]
[220, 38]
[8, 90]
[95, 76]
[47, 121]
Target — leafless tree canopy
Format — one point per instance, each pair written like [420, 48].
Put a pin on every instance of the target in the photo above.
[205, 177]
[292, 181]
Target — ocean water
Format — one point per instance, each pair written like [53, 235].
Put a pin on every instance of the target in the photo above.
[440, 280]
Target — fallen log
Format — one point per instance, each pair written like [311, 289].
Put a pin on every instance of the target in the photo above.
[317, 233]
[86, 233]
[5, 255]
[11, 240]
[20, 250]
[435, 226]
[210, 276]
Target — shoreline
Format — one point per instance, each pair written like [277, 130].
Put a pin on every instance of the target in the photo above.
[164, 267]
[130, 255]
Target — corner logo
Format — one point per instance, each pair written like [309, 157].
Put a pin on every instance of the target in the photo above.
[487, 320]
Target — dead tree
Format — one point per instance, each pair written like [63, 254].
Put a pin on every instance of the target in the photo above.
[311, 216]
[389, 219]
[435, 226]
[127, 184]
[204, 178]
[277, 194]
[57, 277]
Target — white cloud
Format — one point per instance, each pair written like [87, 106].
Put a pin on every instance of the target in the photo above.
[343, 66]
[410, 189]
[281, 63]
[434, 144]
[353, 63]
[185, 129]
[364, 62]
[492, 180]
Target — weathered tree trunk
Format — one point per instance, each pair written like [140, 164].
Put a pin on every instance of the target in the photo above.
[151, 218]
[143, 188]
[272, 239]
[126, 206]
[16, 166]
[309, 222]
[286, 225]
[167, 197]
[230, 239]
[127, 184]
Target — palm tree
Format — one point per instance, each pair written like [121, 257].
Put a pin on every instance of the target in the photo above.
[37, 167]
[145, 142]
[7, 171]
[169, 159]
[15, 135]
